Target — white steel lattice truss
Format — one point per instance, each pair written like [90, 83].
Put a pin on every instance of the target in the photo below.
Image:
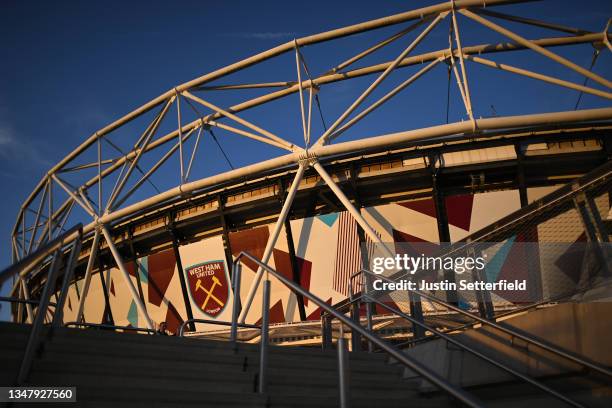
[39, 220]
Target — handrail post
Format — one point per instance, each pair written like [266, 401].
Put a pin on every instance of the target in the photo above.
[355, 336]
[368, 304]
[416, 310]
[393, 351]
[326, 331]
[343, 369]
[236, 306]
[263, 345]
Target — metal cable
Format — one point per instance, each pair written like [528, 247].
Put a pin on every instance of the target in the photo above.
[586, 79]
[316, 95]
[137, 166]
[220, 148]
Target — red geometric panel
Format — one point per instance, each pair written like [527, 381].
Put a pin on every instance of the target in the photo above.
[424, 206]
[277, 315]
[459, 210]
[161, 269]
[421, 246]
[131, 268]
[112, 289]
[386, 299]
[282, 262]
[252, 241]
[69, 304]
[316, 314]
[173, 318]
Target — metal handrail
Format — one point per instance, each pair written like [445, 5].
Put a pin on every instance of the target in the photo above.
[34, 338]
[18, 300]
[516, 310]
[394, 352]
[25, 264]
[555, 350]
[111, 327]
[217, 322]
[469, 349]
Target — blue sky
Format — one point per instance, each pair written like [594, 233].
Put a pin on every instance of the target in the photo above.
[70, 67]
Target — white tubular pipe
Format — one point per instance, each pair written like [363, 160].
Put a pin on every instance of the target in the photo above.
[73, 196]
[392, 140]
[389, 141]
[272, 240]
[529, 44]
[126, 277]
[350, 207]
[541, 77]
[323, 139]
[90, 263]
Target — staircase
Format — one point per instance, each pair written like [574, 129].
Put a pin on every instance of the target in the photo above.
[111, 369]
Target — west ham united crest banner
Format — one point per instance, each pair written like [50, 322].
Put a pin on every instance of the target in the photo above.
[209, 285]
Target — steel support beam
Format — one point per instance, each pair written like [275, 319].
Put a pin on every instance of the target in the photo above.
[540, 50]
[541, 77]
[520, 174]
[323, 139]
[108, 312]
[288, 145]
[272, 240]
[444, 237]
[181, 273]
[295, 269]
[93, 253]
[371, 144]
[126, 276]
[350, 207]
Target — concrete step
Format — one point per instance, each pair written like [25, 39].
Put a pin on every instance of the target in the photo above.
[204, 372]
[106, 337]
[63, 351]
[11, 327]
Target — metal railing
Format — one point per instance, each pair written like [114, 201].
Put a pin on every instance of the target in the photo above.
[111, 327]
[181, 330]
[503, 328]
[391, 350]
[56, 250]
[502, 366]
[22, 301]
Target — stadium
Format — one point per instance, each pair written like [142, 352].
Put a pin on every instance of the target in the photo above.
[253, 286]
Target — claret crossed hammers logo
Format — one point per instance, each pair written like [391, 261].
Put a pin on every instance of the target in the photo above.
[208, 282]
[209, 292]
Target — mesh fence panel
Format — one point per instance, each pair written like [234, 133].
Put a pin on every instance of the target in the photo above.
[558, 244]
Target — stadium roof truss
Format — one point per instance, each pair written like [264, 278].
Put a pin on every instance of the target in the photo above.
[39, 220]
